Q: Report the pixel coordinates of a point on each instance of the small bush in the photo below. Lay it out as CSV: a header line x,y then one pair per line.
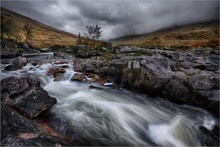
x,y
56,47
108,55
213,43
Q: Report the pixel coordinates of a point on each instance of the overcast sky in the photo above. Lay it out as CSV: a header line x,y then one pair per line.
x,y
116,17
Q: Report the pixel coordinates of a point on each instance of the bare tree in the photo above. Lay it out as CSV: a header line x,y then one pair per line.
x,y
94,31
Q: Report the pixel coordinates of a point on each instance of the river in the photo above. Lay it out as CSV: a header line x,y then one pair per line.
x,y
111,116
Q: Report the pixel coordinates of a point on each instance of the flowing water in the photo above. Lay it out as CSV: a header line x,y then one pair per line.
x,y
119,117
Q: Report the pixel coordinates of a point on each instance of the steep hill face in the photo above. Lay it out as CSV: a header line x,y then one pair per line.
x,y
23,29
184,37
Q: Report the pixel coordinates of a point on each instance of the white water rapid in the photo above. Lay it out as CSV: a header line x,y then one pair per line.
x,y
120,117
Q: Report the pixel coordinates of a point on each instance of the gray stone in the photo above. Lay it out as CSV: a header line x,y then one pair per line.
x,y
25,96
203,81
78,77
177,90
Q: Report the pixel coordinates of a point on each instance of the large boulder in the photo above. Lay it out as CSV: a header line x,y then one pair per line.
x,y
156,72
148,74
204,80
204,87
16,130
176,90
25,96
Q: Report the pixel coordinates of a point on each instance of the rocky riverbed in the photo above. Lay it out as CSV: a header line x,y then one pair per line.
x,y
30,89
185,77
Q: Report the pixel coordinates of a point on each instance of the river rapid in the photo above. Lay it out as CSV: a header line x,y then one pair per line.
x,y
115,116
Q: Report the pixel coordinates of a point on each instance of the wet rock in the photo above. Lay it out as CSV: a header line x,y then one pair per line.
x,y
101,81
25,96
95,87
22,61
61,70
206,99
108,84
78,77
184,77
177,90
16,130
77,66
130,49
55,70
58,76
5,61
190,71
133,64
17,63
64,66
209,138
204,81
88,68
36,63
8,55
155,72
12,68
92,77
44,49
180,76
61,62
55,125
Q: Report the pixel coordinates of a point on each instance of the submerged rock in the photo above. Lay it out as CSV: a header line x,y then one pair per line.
x,y
25,96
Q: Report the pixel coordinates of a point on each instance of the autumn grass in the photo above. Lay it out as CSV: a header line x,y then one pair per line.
x,y
204,35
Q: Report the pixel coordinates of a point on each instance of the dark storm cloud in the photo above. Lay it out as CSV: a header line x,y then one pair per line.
x,y
117,17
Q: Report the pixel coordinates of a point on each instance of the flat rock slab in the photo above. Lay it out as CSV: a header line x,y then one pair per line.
x,y
25,96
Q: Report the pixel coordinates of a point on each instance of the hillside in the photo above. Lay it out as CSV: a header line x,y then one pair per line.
x,y
184,37
23,29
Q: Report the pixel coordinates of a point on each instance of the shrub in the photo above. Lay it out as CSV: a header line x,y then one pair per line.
x,y
56,47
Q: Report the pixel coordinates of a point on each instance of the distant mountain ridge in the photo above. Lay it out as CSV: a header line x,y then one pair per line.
x,y
24,29
190,36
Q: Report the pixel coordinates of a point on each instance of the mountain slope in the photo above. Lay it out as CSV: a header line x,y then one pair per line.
x,y
23,29
190,36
